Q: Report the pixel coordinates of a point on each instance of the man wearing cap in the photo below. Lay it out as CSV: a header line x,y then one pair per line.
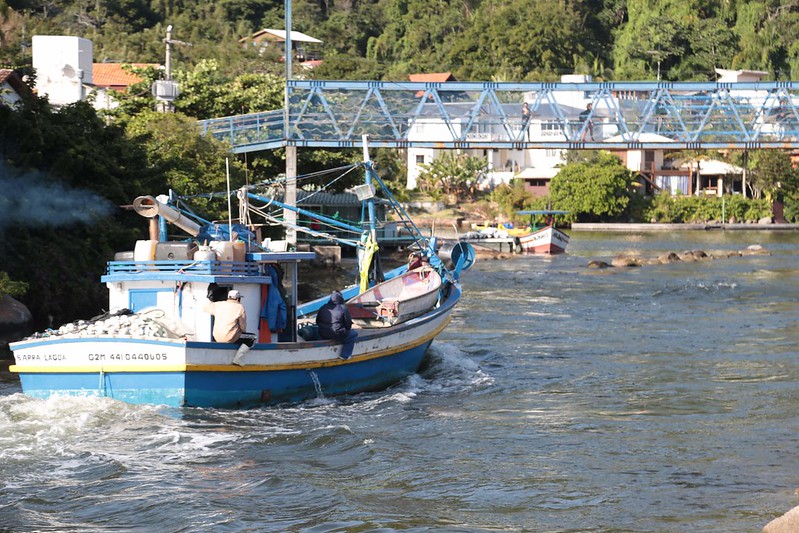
x,y
230,321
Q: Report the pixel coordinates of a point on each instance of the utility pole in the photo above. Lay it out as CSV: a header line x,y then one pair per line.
x,y
291,150
168,63
166,90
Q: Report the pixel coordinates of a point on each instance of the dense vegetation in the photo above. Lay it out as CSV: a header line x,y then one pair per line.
x,y
67,175
474,39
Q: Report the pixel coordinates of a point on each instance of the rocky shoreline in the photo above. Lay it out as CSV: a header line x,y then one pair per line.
x,y
634,260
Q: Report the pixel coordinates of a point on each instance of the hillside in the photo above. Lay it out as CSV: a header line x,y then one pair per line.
x,y
497,40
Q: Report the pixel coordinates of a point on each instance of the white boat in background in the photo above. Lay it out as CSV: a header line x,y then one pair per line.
x,y
397,300
547,239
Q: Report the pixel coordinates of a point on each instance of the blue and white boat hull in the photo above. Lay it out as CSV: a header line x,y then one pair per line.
x,y
179,373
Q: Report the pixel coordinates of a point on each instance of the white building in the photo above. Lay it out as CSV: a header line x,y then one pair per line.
x,y
63,66
535,166
65,72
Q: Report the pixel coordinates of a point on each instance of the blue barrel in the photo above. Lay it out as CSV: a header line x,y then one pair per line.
x,y
452,253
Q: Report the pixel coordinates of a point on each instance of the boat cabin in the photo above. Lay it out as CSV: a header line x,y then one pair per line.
x,y
175,281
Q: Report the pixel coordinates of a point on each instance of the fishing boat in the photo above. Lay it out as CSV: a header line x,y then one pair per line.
x,y
398,300
156,346
501,230
543,240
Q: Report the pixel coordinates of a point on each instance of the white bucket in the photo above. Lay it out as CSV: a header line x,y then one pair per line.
x,y
144,251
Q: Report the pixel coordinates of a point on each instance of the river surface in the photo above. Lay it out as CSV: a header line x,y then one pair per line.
x,y
559,399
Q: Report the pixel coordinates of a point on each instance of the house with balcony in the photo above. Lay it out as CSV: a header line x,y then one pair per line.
x,y
304,46
535,167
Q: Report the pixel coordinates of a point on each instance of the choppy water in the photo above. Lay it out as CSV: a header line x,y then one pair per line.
x,y
664,398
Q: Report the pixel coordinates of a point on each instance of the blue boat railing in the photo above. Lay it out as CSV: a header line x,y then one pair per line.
x,y
216,268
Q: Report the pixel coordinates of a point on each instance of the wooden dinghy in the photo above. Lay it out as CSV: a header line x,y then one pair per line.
x,y
397,300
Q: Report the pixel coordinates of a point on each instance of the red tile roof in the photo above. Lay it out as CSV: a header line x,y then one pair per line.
x,y
112,76
434,77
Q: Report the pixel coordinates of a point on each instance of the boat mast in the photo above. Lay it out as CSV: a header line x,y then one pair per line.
x,y
370,203
291,150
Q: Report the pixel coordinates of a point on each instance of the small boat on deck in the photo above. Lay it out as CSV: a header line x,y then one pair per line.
x,y
397,300
543,240
155,345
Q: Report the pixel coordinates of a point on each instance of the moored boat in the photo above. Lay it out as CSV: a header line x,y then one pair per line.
x,y
156,345
543,240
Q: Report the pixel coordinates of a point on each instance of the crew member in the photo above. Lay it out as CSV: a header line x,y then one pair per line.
x,y
230,321
335,323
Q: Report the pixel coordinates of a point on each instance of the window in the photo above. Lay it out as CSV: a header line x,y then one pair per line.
x,y
420,160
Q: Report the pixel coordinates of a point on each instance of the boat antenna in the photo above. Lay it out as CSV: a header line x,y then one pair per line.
x,y
229,206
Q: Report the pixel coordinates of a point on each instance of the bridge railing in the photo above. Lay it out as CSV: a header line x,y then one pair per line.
x,y
248,131
464,115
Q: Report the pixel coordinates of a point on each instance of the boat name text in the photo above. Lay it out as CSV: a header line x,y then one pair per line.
x,y
127,357
94,357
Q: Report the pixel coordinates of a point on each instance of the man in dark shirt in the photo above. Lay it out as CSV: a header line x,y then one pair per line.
x,y
585,117
335,323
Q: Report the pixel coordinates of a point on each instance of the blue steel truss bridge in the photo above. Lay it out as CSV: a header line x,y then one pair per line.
x,y
467,115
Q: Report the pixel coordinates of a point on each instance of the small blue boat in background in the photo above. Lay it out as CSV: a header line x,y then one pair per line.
x,y
155,346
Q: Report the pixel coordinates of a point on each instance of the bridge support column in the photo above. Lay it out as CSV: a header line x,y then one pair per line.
x,y
291,195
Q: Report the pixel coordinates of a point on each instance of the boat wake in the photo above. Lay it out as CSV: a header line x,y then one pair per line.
x,y
450,370
61,426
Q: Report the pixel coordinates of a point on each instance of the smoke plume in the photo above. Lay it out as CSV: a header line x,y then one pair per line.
x,y
30,199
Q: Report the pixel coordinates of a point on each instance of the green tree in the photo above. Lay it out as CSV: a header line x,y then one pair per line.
x,y
452,175
593,191
768,32
188,162
208,92
417,36
69,172
650,44
511,198
11,287
769,172
520,40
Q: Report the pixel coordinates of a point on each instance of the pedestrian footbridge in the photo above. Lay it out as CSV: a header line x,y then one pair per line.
x,y
488,115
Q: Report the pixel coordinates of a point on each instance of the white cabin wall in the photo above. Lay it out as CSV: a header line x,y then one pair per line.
x,y
251,300
117,296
